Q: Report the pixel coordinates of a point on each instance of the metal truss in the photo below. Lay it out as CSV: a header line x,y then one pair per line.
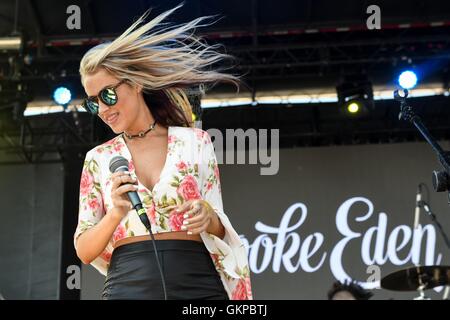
x,y
49,138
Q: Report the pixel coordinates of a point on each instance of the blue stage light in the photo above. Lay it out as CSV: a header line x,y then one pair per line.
x,y
62,96
407,79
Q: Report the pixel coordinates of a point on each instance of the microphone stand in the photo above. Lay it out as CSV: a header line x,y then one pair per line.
x,y
433,218
423,204
441,179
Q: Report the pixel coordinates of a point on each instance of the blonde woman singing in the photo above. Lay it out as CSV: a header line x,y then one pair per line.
x,y
137,85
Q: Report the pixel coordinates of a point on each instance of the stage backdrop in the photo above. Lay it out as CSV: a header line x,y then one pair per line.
x,y
330,212
31,230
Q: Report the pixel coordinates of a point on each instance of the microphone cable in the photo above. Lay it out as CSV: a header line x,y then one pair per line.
x,y
119,163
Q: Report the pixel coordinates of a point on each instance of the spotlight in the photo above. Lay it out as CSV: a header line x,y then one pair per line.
x,y
353,107
355,95
407,79
62,96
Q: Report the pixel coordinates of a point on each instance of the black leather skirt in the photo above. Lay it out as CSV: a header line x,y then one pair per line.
x,y
188,270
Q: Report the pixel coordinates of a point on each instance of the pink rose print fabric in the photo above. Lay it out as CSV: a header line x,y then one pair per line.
x,y
190,172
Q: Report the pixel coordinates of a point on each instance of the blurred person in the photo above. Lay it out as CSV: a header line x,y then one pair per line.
x,y
349,290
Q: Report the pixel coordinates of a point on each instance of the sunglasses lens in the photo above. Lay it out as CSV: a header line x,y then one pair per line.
x,y
108,96
90,106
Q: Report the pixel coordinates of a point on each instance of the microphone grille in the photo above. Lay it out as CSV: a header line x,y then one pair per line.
x,y
117,162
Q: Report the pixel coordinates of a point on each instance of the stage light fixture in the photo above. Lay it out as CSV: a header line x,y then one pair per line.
x,y
62,96
407,79
10,43
355,95
353,107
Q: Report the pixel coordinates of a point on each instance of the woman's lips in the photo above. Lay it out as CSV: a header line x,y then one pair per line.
x,y
112,118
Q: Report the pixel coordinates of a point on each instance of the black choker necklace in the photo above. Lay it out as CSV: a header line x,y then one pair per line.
x,y
142,133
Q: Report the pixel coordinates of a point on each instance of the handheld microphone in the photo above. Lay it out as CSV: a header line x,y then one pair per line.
x,y
418,204
119,163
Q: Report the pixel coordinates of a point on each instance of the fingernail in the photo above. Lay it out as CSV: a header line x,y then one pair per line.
x,y
131,206
185,222
185,215
183,227
189,232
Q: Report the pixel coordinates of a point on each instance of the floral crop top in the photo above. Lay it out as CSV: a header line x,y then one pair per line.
x,y
190,172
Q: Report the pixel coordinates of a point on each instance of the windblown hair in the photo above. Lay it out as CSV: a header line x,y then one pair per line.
x,y
167,63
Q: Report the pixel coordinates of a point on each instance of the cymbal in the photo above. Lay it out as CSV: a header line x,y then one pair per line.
x,y
412,278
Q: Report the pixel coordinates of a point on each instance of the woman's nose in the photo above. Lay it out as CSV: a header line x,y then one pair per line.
x,y
102,108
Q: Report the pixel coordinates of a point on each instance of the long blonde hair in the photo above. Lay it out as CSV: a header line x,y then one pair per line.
x,y
165,63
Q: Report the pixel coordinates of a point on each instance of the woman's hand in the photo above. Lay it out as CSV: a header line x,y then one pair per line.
x,y
121,184
200,217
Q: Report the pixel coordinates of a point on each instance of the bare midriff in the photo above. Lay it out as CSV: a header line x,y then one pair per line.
x,y
173,235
